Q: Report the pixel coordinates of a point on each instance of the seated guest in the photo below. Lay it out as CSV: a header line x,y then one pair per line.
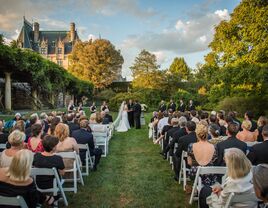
x,y
215,134
177,135
54,122
260,183
239,177
20,125
84,136
107,118
162,120
222,123
44,119
262,121
98,118
16,140
3,136
246,135
202,153
70,122
16,180
33,120
249,116
193,116
164,131
35,142
48,159
66,143
230,142
170,132
232,116
258,153
183,144
92,119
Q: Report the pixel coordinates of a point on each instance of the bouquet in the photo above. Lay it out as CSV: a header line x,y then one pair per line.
x,y
144,107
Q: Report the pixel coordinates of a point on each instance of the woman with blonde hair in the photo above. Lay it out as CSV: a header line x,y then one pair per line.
x,y
20,125
92,119
238,181
246,135
202,153
16,179
66,143
262,121
16,140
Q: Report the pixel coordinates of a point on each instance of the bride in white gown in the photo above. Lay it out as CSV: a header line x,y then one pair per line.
x,y
121,123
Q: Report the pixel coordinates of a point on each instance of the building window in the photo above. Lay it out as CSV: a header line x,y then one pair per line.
x,y
59,50
43,51
59,62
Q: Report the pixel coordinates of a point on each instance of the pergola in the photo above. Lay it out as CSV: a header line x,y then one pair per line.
x,y
8,75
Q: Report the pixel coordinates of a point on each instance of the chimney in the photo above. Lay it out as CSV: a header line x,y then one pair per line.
x,y
36,32
72,31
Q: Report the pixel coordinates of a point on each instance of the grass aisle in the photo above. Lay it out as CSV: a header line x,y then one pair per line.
x,y
133,175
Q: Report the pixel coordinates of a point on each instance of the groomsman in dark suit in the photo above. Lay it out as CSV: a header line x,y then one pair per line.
x,y
172,105
130,107
162,106
137,114
182,106
191,106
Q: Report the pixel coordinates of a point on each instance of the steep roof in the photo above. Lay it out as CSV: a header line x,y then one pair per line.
x,y
26,34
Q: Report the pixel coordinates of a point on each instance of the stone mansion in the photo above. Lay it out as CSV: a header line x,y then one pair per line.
x,y
53,45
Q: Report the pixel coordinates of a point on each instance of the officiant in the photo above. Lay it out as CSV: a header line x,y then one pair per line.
x,y
130,106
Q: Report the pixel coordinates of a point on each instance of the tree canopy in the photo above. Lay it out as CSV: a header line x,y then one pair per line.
x,y
179,69
96,61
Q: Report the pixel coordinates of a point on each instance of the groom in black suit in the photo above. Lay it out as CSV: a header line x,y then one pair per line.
x,y
130,107
137,114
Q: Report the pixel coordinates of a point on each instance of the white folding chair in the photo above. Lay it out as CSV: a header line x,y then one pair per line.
x,y
13,201
170,157
57,182
74,170
240,198
205,171
88,159
183,169
101,140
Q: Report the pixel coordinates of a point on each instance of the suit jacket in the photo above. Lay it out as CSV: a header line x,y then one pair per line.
x,y
184,142
176,136
231,142
253,126
137,109
110,118
172,106
162,107
258,153
181,108
72,127
171,132
82,136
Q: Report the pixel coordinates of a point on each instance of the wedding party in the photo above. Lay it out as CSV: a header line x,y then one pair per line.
x,y
112,103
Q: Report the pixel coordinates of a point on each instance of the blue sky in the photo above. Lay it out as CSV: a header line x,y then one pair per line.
x,y
167,28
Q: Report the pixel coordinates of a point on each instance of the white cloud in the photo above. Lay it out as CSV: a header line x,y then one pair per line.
x,y
160,56
186,37
91,36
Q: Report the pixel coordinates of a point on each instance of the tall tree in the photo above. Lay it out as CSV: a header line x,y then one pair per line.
x,y
96,61
244,38
145,71
179,69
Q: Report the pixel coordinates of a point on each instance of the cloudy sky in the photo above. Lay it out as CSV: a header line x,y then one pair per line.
x,y
167,28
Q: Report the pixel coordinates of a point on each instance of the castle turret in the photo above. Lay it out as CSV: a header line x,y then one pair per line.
x,y
36,32
72,31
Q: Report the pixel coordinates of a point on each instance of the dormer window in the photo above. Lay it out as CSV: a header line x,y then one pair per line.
x,y
43,51
59,51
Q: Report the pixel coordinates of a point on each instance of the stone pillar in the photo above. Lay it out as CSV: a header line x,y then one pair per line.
x,y
8,91
35,97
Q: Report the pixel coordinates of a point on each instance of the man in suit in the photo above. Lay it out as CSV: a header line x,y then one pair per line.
x,y
178,134
106,117
249,116
162,106
130,113
172,106
183,143
182,106
191,106
231,142
137,114
84,136
70,122
258,153
170,132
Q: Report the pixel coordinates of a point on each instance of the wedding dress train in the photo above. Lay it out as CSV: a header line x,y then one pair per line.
x,y
121,123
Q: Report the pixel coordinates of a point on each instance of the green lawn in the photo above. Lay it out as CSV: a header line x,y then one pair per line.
x,y
133,175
